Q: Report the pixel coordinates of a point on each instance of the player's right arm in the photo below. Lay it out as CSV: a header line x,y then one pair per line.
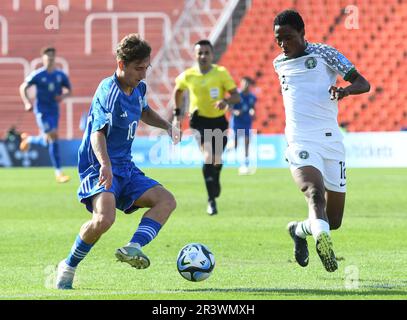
x,y
101,122
358,85
99,147
24,96
178,102
181,84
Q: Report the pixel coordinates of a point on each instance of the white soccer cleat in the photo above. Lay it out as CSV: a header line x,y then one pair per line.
x,y
245,170
133,256
65,275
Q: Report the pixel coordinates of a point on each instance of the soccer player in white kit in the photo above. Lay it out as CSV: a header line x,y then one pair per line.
x,y
315,152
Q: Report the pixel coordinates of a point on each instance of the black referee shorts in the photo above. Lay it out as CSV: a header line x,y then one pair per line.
x,y
213,130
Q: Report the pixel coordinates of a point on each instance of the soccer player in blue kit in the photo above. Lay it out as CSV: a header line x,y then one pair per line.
x,y
52,87
109,179
242,118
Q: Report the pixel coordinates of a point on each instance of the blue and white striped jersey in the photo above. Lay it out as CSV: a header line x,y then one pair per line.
x,y
121,114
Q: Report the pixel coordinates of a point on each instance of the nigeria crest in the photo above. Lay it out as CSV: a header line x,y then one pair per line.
x,y
311,63
303,155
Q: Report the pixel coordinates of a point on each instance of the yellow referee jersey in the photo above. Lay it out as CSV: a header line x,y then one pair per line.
x,y
205,89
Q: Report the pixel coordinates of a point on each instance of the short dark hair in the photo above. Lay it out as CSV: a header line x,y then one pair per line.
x,y
291,18
132,48
46,50
248,79
204,42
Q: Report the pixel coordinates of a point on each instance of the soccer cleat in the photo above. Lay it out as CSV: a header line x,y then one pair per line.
x,y
212,210
246,171
243,170
24,145
133,256
325,251
61,178
301,253
65,275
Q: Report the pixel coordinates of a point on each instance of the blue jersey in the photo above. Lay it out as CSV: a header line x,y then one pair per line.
x,y
247,102
121,114
48,85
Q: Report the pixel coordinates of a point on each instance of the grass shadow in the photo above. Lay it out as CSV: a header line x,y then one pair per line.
x,y
310,292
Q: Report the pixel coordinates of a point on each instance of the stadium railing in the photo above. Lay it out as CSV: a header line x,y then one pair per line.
x,y
4,35
114,17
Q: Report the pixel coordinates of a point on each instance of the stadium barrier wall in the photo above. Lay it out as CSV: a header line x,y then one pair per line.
x,y
374,149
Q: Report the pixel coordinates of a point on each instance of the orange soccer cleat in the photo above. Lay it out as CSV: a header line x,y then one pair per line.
x,y
61,178
24,145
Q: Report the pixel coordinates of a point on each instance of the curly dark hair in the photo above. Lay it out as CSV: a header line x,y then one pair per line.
x,y
291,18
132,48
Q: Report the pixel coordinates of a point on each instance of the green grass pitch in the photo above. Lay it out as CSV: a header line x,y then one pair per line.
x,y
40,219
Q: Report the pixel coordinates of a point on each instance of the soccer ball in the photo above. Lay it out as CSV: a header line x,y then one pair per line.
x,y
195,262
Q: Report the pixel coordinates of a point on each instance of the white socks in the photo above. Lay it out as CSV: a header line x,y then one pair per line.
x,y
318,226
311,227
303,229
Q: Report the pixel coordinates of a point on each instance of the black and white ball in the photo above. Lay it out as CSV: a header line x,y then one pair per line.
x,y
195,262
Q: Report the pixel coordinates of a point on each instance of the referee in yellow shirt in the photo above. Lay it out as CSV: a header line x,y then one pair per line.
x,y
208,84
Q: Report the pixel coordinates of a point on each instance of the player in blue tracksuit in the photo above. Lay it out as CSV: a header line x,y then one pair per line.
x,y
109,179
52,87
242,117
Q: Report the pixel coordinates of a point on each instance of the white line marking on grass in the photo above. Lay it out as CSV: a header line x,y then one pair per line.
x,y
64,293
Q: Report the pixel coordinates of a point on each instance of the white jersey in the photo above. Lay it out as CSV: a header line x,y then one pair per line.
x,y
310,113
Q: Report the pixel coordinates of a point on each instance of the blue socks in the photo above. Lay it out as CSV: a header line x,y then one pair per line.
x,y
53,149
78,252
146,231
37,140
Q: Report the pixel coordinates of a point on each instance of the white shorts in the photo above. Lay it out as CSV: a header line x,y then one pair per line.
x,y
329,159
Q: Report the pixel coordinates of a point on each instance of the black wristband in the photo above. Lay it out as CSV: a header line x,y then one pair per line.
x,y
177,112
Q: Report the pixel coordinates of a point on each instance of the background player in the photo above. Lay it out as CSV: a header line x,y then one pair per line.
x,y
52,87
109,179
316,154
242,117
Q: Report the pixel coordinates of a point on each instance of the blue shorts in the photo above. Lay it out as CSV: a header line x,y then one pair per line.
x,y
129,183
47,122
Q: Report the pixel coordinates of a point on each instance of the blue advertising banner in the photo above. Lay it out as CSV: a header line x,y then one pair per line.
x,y
158,151
373,149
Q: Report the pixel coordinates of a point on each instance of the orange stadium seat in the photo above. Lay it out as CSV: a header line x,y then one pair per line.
x,y
85,71
367,47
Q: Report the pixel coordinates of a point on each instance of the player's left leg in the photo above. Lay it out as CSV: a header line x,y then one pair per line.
x,y
161,204
27,141
245,169
103,217
335,204
246,148
53,150
311,182
218,147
